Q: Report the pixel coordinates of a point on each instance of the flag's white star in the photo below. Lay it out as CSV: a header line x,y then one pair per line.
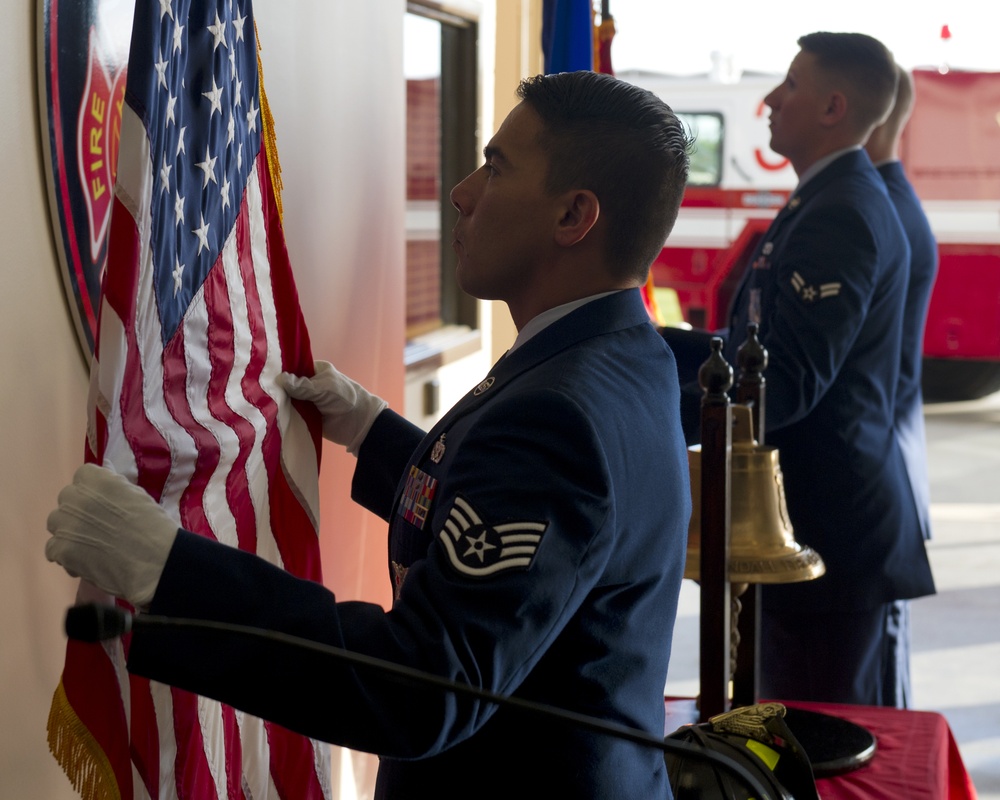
x,y
224,189
177,275
239,156
178,40
202,234
178,209
161,71
231,130
252,116
237,93
180,140
208,167
165,174
165,9
232,61
238,21
214,97
218,30
171,103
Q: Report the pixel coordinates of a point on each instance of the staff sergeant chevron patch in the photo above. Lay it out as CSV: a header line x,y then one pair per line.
x,y
478,549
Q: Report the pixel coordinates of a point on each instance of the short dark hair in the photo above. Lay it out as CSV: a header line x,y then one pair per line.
x,y
865,65
622,143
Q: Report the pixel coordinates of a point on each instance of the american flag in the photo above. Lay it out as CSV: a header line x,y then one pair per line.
x,y
198,316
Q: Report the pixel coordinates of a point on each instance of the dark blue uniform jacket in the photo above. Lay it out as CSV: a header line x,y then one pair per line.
x,y
827,287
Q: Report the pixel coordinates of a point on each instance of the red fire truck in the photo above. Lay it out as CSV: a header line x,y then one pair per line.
x,y
951,151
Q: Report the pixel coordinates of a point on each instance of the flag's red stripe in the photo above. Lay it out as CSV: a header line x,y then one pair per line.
x,y
296,354
293,765
92,688
192,502
234,755
250,385
151,451
221,343
293,529
191,771
145,735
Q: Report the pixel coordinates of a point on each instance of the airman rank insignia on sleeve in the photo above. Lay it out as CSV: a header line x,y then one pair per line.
x,y
478,549
415,502
810,293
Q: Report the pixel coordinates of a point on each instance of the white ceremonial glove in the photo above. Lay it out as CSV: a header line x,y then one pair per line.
x,y
348,408
111,533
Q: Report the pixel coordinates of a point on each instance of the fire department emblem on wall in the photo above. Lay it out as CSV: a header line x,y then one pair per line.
x,y
83,55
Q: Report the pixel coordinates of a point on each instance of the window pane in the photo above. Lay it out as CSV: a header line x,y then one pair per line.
x,y
422,68
706,157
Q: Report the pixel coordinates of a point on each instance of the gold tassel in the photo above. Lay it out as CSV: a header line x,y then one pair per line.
x,y
78,753
267,132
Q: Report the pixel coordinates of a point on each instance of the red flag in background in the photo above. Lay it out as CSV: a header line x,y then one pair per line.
x,y
604,34
198,315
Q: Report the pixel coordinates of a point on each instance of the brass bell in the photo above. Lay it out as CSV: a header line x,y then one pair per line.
x,y
762,546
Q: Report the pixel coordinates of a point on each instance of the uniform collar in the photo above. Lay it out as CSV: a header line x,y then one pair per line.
x,y
822,164
539,323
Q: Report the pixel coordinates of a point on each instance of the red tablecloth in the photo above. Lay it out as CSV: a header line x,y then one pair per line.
x,y
916,757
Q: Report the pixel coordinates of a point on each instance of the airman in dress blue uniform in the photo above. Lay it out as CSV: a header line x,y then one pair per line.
x,y
827,290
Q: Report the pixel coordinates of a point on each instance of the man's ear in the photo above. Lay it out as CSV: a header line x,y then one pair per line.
x,y
836,109
579,213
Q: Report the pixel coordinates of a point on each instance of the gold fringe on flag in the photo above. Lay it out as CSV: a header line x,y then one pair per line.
x,y
78,752
267,132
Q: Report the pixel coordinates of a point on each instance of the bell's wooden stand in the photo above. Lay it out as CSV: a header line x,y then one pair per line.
x,y
727,652
715,378
751,359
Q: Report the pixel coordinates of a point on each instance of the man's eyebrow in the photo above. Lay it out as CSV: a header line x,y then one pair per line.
x,y
493,153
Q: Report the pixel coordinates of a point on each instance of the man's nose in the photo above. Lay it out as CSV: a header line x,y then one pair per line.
x,y
462,196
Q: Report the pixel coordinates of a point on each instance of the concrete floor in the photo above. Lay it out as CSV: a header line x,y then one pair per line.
x,y
956,633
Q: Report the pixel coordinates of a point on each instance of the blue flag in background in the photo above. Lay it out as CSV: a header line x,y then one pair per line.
x,y
567,35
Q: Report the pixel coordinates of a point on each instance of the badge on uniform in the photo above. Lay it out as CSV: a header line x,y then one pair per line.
x,y
437,451
810,293
762,261
398,576
479,549
415,502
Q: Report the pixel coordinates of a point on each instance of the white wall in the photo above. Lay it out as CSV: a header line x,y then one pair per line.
x,y
43,385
